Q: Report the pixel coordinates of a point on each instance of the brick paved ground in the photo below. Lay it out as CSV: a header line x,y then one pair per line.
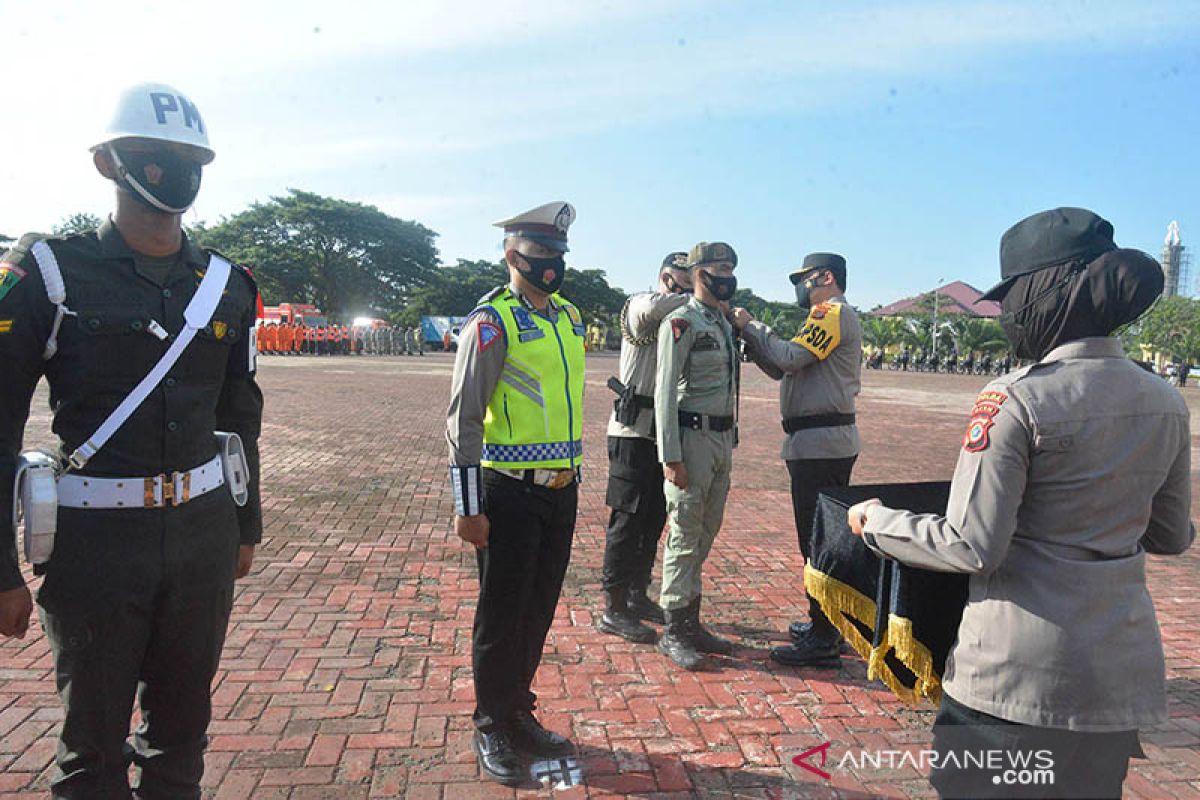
x,y
346,673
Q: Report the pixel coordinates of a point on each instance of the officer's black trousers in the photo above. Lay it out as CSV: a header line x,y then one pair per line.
x,y
984,756
639,511
520,576
136,603
809,477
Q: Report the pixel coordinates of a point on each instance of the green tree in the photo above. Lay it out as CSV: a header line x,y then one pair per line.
x,y
589,290
1172,327
880,333
976,335
77,223
453,291
346,257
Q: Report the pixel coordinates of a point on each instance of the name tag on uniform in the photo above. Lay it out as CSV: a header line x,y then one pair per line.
x,y
529,336
705,341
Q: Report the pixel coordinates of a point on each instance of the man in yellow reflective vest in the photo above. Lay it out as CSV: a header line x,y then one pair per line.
x,y
515,433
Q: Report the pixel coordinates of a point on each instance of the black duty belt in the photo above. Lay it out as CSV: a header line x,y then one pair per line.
x,y
643,400
809,421
698,422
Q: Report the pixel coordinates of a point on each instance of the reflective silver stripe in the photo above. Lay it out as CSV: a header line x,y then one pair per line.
x,y
522,388
464,482
473,491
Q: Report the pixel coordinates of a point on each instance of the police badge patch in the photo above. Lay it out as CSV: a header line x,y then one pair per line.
x,y
219,329
489,334
983,417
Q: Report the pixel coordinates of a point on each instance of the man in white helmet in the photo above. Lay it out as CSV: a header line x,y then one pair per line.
x,y
152,526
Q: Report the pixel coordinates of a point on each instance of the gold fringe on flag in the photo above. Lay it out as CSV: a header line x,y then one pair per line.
x,y
844,605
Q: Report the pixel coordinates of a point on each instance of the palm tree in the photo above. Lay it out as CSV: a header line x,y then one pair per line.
x,y
977,335
881,333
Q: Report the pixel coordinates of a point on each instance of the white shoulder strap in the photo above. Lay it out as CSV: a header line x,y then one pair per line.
x,y
56,290
197,315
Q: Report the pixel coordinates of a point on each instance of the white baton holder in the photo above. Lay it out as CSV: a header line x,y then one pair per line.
x,y
233,461
35,504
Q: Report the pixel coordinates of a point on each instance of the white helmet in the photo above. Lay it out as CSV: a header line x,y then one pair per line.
x,y
157,111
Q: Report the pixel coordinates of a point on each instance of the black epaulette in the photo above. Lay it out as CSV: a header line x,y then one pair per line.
x,y
490,296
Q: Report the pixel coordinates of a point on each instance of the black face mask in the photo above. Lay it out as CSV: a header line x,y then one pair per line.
x,y
722,287
546,274
161,180
804,292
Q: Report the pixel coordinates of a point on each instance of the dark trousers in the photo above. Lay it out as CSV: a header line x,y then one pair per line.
x,y
809,476
639,511
1026,761
136,603
520,576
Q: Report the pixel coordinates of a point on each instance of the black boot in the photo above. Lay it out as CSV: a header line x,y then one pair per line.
x,y
530,737
498,758
798,631
618,620
702,638
676,642
810,650
642,607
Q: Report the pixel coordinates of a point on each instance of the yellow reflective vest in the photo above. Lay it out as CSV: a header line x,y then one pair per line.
x,y
534,419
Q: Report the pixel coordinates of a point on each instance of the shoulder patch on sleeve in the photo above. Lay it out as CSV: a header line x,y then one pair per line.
x,y
489,333
679,326
822,331
983,417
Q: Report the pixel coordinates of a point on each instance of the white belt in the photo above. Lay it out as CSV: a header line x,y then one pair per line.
x,y
80,491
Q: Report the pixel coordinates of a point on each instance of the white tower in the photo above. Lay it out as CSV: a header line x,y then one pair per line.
x,y
1175,264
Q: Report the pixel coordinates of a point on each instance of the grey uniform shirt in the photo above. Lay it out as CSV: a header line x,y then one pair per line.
x,y
815,380
1072,470
697,372
642,315
477,370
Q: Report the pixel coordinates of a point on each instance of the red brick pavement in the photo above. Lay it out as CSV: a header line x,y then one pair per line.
x,y
346,674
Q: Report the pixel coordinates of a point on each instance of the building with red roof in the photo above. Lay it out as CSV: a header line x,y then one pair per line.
x,y
953,298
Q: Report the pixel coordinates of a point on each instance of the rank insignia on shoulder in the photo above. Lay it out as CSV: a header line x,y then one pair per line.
x,y
6,326
678,326
10,276
489,334
523,319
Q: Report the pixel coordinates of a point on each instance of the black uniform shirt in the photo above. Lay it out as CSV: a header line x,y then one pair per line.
x,y
107,348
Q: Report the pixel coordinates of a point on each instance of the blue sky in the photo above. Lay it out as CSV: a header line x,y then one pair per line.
x,y
906,135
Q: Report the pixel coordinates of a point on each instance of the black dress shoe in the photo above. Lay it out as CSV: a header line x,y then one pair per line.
x,y
627,626
809,652
530,737
642,607
498,758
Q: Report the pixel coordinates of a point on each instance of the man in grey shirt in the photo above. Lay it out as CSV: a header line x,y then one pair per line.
x,y
1071,470
635,478
820,371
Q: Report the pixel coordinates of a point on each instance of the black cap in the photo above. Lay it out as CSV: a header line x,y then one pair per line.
x,y
675,261
822,261
1048,239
